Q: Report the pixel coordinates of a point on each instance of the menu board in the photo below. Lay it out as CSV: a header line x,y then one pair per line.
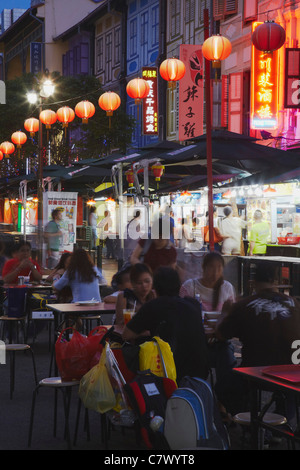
x,y
67,203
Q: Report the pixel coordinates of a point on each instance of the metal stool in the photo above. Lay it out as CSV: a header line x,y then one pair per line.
x,y
12,349
244,420
66,388
87,322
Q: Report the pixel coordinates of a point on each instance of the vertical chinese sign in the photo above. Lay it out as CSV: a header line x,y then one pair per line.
x,y
264,88
191,93
150,103
35,57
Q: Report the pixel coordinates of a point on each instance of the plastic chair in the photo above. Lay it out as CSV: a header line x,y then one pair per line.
x,y
66,389
12,349
15,313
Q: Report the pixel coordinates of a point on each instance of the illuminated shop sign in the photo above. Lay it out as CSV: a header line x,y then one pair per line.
x,y
264,88
150,103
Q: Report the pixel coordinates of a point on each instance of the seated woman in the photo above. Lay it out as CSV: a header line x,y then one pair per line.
x,y
60,268
21,265
82,277
141,279
214,291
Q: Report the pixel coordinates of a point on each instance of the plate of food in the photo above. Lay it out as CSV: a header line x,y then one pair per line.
x,y
88,302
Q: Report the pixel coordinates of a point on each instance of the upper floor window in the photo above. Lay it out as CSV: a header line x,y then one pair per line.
x,y
224,8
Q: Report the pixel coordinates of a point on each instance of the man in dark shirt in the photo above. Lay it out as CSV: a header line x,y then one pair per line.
x,y
178,321
267,323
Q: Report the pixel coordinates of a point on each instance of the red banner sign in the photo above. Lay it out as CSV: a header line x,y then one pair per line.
x,y
150,103
191,93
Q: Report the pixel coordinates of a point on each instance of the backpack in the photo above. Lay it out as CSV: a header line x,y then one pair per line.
x,y
148,395
192,418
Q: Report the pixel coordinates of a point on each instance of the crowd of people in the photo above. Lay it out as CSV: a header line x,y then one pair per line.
x,y
163,304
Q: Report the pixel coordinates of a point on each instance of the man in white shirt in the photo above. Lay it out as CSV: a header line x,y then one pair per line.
x,y
231,229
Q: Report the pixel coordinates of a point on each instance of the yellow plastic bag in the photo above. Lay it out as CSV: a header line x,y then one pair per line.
x,y
157,356
95,389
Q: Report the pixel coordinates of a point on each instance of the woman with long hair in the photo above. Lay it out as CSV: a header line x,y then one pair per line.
x,y
60,268
214,292
141,292
213,289
82,276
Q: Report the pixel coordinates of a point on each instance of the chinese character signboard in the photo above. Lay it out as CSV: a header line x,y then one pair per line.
x,y
191,93
67,203
150,103
292,78
264,88
35,57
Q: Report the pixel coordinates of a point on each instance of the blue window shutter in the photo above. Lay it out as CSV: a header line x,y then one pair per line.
x,y
84,58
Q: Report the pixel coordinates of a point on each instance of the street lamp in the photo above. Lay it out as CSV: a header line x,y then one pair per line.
x,y
46,89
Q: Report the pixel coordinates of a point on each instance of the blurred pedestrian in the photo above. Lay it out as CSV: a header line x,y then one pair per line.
x,y
93,225
105,226
53,235
231,229
158,250
259,235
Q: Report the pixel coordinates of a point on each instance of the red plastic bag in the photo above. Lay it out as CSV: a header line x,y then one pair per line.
x,y
75,358
95,336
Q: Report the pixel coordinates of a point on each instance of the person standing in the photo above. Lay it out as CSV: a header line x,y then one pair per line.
x,y
93,225
231,229
259,235
133,234
105,226
53,234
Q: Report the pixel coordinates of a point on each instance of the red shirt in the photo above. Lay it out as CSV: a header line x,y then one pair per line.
x,y
11,265
155,258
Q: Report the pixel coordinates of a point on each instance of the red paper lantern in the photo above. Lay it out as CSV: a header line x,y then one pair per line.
x,y
85,110
216,48
158,170
138,88
172,70
1,155
109,102
130,178
7,148
32,125
65,115
268,37
19,138
48,117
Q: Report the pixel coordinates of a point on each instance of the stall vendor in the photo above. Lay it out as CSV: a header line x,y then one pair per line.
x,y
259,235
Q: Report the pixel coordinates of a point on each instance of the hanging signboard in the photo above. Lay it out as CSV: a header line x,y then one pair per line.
x,y
67,203
36,57
292,78
264,88
150,103
191,93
